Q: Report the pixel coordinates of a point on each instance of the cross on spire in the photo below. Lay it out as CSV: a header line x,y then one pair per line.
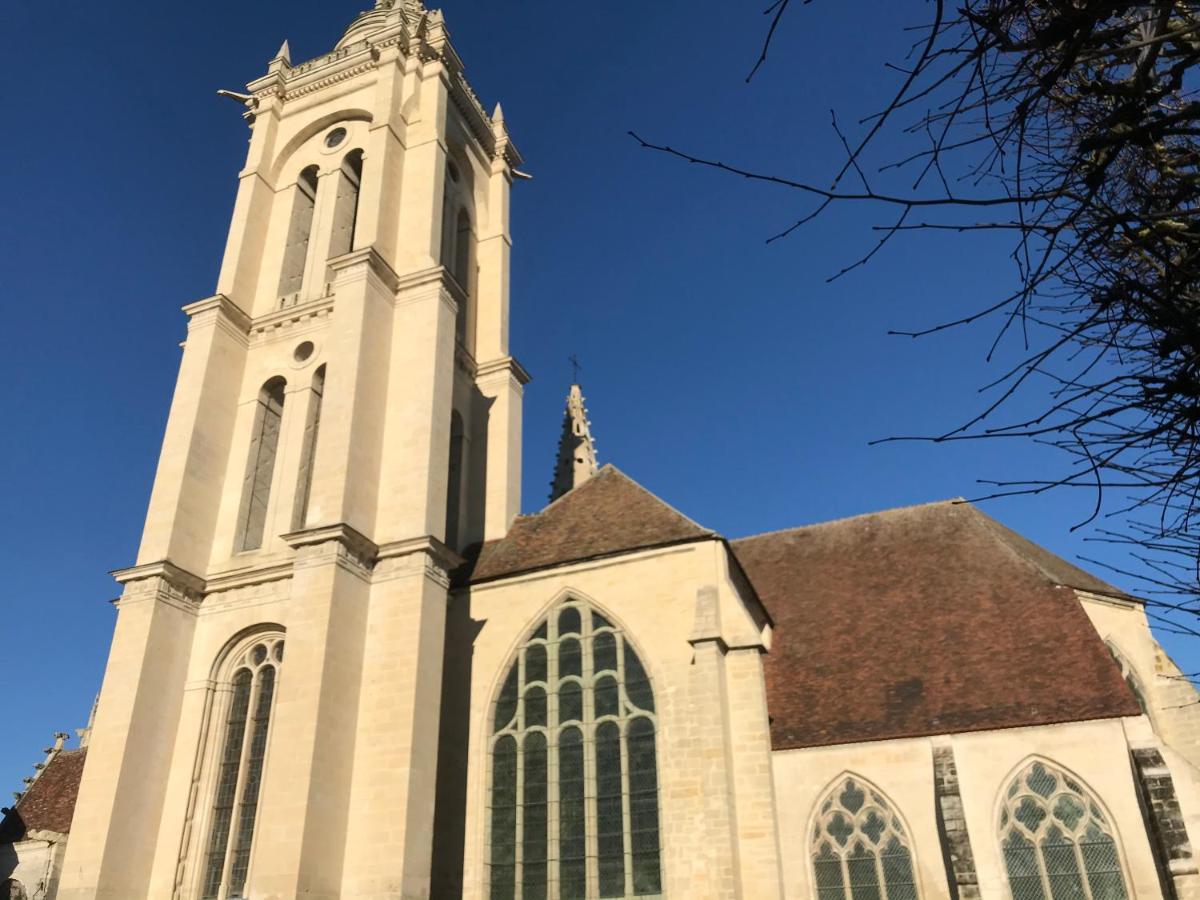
x,y
576,368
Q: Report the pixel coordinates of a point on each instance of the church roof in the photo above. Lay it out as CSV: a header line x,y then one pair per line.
x,y
608,514
927,620
49,804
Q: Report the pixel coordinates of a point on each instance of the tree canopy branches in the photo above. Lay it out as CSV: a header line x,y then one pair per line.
x,y
1074,125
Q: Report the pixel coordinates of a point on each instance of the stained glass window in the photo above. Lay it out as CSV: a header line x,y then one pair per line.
x,y
860,850
1057,843
574,806
240,770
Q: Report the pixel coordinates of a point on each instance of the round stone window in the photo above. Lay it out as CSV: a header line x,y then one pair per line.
x,y
304,352
335,138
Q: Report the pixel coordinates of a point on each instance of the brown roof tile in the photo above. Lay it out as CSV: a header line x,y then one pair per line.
x,y
49,804
607,515
927,620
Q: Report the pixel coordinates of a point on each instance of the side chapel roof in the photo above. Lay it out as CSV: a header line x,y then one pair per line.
x,y
49,804
608,514
927,620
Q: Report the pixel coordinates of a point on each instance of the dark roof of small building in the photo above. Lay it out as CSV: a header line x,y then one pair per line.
x,y
927,620
49,804
607,515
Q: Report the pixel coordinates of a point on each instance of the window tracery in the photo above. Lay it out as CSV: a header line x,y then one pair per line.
x,y
1057,842
573,805
860,849
239,768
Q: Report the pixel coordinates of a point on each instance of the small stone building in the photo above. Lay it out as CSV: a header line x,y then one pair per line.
x,y
33,834
344,667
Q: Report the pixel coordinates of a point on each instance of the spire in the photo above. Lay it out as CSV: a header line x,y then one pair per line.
x,y
576,449
285,53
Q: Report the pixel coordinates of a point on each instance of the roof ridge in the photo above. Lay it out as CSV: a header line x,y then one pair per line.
x,y
952,501
52,753
669,506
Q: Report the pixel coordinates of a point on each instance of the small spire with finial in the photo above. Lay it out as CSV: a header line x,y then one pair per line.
x,y
576,447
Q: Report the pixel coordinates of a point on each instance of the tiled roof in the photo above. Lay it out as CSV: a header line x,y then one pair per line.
x,y
606,515
49,804
927,620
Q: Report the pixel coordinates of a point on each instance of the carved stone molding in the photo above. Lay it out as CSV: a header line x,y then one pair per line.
x,y
499,369
365,263
163,582
217,309
338,544
426,556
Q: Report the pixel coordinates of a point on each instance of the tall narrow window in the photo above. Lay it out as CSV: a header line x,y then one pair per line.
x,y
574,784
1057,843
240,770
860,850
308,452
464,247
260,470
345,210
454,484
295,253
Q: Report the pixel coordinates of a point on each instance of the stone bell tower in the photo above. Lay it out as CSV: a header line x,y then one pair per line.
x,y
346,419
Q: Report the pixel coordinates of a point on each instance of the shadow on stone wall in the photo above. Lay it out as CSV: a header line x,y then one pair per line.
x,y
450,814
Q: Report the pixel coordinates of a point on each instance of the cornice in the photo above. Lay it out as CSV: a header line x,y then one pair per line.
x,y
218,307
346,535
287,316
164,569
427,544
369,259
505,365
161,581
237,580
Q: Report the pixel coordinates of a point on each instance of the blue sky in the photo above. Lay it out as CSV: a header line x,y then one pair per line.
x,y
722,373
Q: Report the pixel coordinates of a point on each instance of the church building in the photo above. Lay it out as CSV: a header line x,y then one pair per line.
x,y
345,668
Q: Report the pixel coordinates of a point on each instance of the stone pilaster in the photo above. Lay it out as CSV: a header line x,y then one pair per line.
x,y
952,827
1164,819
129,754
390,841
306,787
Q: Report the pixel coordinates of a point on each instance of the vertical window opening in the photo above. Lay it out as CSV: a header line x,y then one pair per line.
x,y
260,470
308,452
463,262
240,771
454,487
1057,843
574,797
860,850
345,211
295,253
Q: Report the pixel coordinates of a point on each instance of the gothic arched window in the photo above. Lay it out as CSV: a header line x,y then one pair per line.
x,y
573,806
860,849
260,468
295,253
253,672
1057,843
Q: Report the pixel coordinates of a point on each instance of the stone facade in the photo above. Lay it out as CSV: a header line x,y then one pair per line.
x,y
334,598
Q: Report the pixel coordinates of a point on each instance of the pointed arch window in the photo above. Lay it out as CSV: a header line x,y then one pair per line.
x,y
860,849
573,804
1057,842
239,772
260,468
295,252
